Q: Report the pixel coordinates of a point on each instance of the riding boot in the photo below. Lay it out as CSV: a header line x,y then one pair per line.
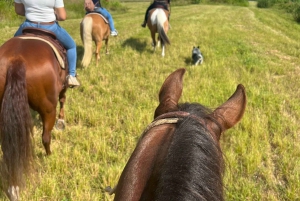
x,y
144,24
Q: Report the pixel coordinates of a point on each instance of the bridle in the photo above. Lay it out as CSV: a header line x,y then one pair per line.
x,y
173,118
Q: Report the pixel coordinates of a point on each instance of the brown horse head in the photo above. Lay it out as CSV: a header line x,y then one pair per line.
x,y
178,156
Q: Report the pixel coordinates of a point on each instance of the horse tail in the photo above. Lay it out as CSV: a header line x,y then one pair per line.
x,y
162,27
16,126
86,37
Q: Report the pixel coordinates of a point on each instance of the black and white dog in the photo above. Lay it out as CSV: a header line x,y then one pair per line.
x,y
197,56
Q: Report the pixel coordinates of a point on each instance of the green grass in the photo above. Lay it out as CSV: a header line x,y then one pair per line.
x,y
256,47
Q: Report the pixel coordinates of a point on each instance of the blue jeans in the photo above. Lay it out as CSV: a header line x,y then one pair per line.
x,y
107,15
63,37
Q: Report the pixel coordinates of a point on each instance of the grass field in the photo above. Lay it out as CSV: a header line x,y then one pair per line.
x,y
259,48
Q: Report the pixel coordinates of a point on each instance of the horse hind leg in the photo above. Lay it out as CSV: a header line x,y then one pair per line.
x,y
106,46
97,53
60,124
153,41
158,41
163,50
48,124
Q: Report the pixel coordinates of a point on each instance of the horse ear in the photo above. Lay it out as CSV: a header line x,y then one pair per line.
x,y
170,93
231,112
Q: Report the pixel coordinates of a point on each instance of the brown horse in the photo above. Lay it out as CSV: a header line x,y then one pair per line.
x,y
30,77
93,27
178,156
158,23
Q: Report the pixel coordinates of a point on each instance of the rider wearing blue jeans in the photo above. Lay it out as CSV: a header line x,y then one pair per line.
x,y
95,6
44,14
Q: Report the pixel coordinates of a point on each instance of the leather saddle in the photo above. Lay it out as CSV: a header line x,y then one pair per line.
x,y
50,38
104,18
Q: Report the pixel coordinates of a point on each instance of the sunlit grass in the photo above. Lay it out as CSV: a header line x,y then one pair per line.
x,y
107,114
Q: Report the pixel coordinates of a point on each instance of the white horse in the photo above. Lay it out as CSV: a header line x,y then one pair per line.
x,y
158,23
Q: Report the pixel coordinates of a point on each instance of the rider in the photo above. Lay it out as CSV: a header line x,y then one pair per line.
x,y
44,15
95,5
156,4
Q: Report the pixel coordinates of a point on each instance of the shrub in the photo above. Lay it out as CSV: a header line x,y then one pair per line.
x,y
196,1
292,7
288,7
238,2
265,3
296,13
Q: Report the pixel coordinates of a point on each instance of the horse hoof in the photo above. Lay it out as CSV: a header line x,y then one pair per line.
x,y
60,124
110,190
13,193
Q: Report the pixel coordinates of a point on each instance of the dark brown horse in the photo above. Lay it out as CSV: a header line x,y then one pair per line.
x,y
93,28
158,23
30,77
178,156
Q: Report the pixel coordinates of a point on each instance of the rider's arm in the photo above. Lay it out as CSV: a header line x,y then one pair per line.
x,y
20,9
61,14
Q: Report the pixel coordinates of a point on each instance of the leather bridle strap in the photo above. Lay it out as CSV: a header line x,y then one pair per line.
x,y
172,118
160,122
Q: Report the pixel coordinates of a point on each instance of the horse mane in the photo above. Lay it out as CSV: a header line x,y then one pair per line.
x,y
194,166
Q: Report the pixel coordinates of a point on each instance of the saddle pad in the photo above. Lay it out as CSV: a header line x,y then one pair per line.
x,y
105,20
59,58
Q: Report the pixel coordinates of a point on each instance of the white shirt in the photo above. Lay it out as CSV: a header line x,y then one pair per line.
x,y
40,10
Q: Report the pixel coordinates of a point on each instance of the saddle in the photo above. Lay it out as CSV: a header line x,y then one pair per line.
x,y
160,6
50,38
104,18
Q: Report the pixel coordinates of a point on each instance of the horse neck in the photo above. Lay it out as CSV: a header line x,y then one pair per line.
x,y
193,168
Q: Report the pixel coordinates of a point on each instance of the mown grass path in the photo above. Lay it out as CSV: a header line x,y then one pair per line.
x,y
259,48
